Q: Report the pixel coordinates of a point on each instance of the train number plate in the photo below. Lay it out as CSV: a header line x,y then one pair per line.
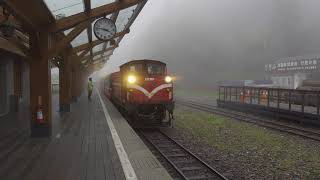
x,y
149,79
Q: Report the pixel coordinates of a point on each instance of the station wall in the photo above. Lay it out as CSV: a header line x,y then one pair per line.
x,y
11,101
6,84
289,81
3,88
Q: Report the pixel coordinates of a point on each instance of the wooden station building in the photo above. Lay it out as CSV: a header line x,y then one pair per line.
x,y
36,35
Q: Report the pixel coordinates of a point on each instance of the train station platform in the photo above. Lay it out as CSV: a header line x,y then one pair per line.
x,y
91,142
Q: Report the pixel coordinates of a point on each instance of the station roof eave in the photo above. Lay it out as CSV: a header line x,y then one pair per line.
x,y
11,47
75,12
71,22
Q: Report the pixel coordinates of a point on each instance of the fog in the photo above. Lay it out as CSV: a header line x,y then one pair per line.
x,y
204,41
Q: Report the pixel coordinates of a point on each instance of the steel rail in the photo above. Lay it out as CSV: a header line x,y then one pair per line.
x,y
175,144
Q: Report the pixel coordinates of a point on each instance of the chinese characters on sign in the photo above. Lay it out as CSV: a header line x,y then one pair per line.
x,y
294,65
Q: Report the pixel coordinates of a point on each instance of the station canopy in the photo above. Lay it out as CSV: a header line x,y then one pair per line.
x,y
71,21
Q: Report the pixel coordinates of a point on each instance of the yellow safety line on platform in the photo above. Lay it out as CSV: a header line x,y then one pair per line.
x,y
125,162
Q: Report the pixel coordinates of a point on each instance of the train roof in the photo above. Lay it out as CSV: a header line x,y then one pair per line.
x,y
142,61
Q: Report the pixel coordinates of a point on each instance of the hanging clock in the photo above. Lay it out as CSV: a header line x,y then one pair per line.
x,y
104,29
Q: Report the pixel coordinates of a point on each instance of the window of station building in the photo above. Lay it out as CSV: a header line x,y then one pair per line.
x,y
156,69
314,61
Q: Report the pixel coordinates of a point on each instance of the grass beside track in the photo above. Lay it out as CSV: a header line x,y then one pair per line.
x,y
274,153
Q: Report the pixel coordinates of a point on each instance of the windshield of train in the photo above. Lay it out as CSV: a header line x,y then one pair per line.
x,y
137,68
155,69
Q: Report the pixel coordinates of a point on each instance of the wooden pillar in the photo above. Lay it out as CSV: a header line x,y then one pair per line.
x,y
65,75
83,83
17,93
79,82
75,81
40,85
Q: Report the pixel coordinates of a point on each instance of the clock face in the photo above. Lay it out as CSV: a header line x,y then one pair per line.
x,y
104,29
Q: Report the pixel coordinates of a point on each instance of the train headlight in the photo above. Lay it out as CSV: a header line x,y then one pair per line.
x,y
132,79
168,79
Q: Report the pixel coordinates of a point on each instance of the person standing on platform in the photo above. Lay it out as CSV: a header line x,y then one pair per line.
x,y
90,88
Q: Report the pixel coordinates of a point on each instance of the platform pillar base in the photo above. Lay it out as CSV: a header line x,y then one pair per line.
x,y
74,98
40,131
14,103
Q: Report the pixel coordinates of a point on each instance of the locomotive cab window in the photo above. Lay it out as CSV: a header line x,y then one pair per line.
x,y
155,69
135,68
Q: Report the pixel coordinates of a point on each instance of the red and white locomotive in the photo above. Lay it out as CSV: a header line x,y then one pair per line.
x,y
143,90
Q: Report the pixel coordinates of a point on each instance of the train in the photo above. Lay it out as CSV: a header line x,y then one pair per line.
x,y
143,90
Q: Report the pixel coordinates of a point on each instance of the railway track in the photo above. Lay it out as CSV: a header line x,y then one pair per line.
x,y
187,164
298,131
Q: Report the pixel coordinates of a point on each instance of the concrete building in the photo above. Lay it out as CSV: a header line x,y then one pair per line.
x,y
290,72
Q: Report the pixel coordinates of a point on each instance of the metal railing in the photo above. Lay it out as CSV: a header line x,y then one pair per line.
x,y
304,101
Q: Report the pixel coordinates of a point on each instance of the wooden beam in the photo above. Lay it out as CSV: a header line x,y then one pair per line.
x,y
115,16
99,59
91,61
20,45
83,54
136,13
13,20
22,36
87,46
134,16
97,42
32,13
89,33
63,43
87,9
71,21
87,5
100,52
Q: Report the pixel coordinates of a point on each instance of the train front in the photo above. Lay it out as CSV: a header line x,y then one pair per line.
x,y
149,92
